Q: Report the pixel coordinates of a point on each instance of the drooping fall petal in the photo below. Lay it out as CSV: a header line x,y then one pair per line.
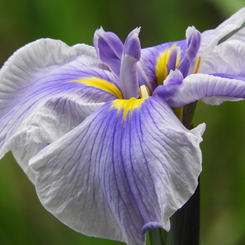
x,y
124,170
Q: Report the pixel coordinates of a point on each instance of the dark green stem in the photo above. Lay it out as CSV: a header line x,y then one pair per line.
x,y
156,237
185,223
188,114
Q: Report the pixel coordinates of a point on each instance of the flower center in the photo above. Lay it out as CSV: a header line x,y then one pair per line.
x,y
166,61
126,107
144,91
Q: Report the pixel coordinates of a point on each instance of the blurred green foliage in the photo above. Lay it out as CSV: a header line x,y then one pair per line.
x,y
23,220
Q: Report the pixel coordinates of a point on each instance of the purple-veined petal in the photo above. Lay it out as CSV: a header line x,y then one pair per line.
x,y
47,89
24,153
42,118
109,49
52,110
211,38
23,70
227,58
215,88
121,172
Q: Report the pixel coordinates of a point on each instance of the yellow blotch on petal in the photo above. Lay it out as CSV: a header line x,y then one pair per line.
x,y
161,64
127,106
101,84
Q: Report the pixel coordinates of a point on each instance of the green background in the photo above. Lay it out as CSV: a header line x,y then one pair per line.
x,y
23,220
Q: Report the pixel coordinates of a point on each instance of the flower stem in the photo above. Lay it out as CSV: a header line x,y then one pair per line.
x,y
155,236
188,114
185,223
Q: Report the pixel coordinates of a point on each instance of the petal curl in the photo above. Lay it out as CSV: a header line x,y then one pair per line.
x,y
115,176
24,153
215,88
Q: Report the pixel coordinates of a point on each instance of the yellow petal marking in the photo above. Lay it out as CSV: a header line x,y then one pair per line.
x,y
161,64
127,106
101,84
197,64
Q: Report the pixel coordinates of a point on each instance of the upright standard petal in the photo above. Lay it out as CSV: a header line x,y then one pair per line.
x,y
127,168
128,71
132,46
109,49
193,38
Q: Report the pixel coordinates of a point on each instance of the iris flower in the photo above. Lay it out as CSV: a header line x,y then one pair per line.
x,y
98,129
